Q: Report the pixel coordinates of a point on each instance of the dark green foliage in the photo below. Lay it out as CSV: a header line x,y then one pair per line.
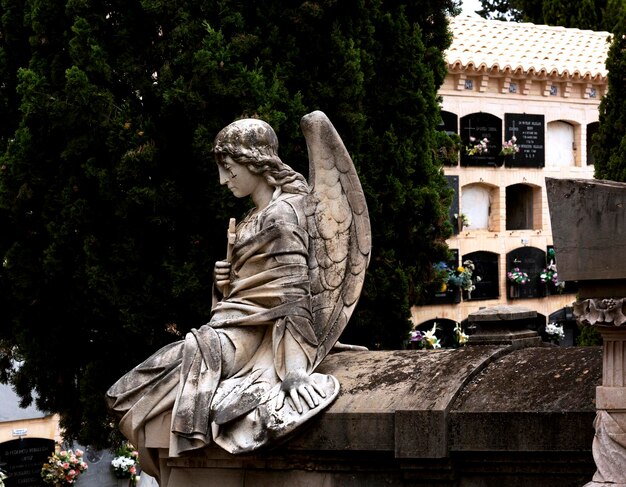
x,y
111,215
589,336
599,15
609,143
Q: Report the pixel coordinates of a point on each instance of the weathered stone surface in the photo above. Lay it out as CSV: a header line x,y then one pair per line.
x,y
292,275
548,379
588,227
503,312
475,416
504,325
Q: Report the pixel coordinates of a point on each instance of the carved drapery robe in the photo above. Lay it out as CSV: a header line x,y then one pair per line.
x,y
220,380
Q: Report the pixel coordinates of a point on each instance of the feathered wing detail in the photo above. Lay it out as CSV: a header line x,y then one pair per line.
x,y
339,230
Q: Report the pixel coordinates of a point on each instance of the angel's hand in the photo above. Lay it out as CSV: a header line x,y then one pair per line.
x,y
298,386
221,275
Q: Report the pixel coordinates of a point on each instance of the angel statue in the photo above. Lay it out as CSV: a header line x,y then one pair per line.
x,y
293,273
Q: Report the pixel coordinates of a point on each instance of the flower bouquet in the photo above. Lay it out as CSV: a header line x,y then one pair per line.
x,y
463,277
463,220
549,275
460,337
125,464
555,332
429,340
63,468
509,148
425,340
477,148
517,277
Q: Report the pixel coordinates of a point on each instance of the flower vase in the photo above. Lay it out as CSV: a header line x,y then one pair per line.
x,y
513,291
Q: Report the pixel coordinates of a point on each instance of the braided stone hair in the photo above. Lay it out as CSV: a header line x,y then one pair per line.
x,y
253,143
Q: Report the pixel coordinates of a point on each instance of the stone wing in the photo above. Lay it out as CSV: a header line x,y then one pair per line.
x,y
339,229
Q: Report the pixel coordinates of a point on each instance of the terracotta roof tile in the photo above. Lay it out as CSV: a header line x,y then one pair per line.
x,y
526,48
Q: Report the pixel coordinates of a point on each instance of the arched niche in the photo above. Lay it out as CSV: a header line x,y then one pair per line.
x,y
560,143
449,122
444,330
523,207
532,261
592,129
487,268
481,126
479,203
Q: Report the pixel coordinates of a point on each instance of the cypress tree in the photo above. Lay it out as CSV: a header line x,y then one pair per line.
x,y
111,211
598,15
609,143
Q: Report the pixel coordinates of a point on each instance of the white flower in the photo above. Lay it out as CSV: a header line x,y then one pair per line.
x,y
555,331
123,463
462,338
431,339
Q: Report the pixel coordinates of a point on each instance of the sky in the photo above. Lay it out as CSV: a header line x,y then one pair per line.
x,y
469,6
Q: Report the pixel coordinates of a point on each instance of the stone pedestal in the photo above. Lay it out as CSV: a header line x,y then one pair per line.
x,y
504,325
609,443
589,230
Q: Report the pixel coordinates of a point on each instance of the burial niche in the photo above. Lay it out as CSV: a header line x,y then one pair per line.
x,y
486,267
476,127
524,265
519,207
560,145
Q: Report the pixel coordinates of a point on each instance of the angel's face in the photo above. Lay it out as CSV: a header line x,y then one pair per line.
x,y
239,179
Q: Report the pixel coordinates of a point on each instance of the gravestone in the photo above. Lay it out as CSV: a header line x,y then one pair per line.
x,y
529,131
23,458
481,126
486,267
532,261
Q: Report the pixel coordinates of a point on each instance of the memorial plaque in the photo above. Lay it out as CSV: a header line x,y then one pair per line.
x,y
481,126
532,261
23,459
530,131
486,267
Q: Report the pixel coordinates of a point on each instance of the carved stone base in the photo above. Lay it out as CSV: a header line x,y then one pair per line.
x,y
474,416
609,443
609,448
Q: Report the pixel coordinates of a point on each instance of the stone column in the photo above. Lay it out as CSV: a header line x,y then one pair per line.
x,y
609,443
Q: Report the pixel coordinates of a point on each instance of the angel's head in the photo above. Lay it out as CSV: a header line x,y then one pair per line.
x,y
252,143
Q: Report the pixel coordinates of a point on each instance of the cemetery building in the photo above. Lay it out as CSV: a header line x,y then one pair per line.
x,y
543,86
27,437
